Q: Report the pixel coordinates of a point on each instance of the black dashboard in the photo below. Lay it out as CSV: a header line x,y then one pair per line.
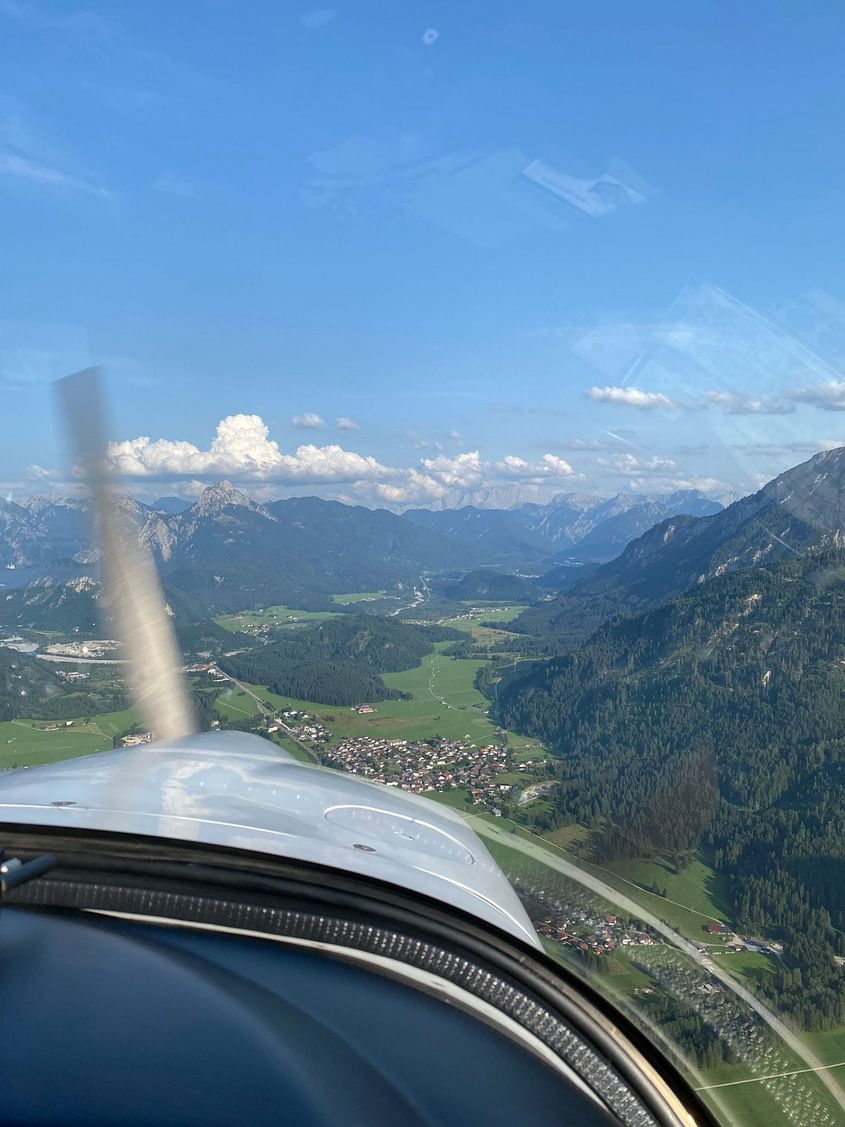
x,y
107,1021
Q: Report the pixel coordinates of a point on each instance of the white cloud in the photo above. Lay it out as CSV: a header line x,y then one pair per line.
x,y
345,423
41,473
736,403
462,470
829,396
731,402
416,487
630,464
631,397
242,449
308,421
555,466
550,465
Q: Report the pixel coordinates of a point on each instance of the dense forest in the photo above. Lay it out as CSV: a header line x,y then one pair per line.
x,y
487,585
718,721
340,661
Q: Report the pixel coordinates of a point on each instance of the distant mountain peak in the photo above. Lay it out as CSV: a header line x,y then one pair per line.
x,y
40,501
223,495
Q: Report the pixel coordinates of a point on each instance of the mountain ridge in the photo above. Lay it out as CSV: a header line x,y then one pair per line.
x,y
801,508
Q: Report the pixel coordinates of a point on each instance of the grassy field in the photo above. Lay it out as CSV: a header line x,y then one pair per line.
x,y
456,798
444,702
23,744
750,965
567,836
235,704
689,921
493,612
296,751
829,1047
278,616
698,886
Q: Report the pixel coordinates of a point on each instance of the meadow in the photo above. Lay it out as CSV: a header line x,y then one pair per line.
x,y
23,743
276,617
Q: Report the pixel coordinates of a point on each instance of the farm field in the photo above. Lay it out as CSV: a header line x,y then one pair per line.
x,y
235,704
276,617
698,885
23,744
444,702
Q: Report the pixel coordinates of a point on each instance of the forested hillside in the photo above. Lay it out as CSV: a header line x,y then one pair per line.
x,y
801,509
740,683
29,687
495,586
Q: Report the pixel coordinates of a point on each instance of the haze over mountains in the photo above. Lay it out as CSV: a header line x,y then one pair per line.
x,y
226,552
579,526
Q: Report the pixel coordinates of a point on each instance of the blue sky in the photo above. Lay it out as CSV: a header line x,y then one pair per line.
x,y
507,244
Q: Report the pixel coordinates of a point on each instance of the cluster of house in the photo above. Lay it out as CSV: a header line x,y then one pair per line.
x,y
424,765
588,931
92,649
302,726
736,943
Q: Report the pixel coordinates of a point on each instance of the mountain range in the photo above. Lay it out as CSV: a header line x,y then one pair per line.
x,y
803,508
225,552
575,525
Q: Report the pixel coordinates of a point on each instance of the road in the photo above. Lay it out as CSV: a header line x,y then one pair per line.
x,y
265,711
543,854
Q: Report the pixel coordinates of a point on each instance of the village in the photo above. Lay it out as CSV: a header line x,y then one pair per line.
x,y
578,923
426,765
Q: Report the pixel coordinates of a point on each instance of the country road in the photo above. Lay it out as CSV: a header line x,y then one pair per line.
x,y
265,711
587,880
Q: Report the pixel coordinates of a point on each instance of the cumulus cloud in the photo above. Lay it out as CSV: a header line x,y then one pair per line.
x,y
416,487
829,396
462,470
243,449
632,397
345,423
310,420
550,465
